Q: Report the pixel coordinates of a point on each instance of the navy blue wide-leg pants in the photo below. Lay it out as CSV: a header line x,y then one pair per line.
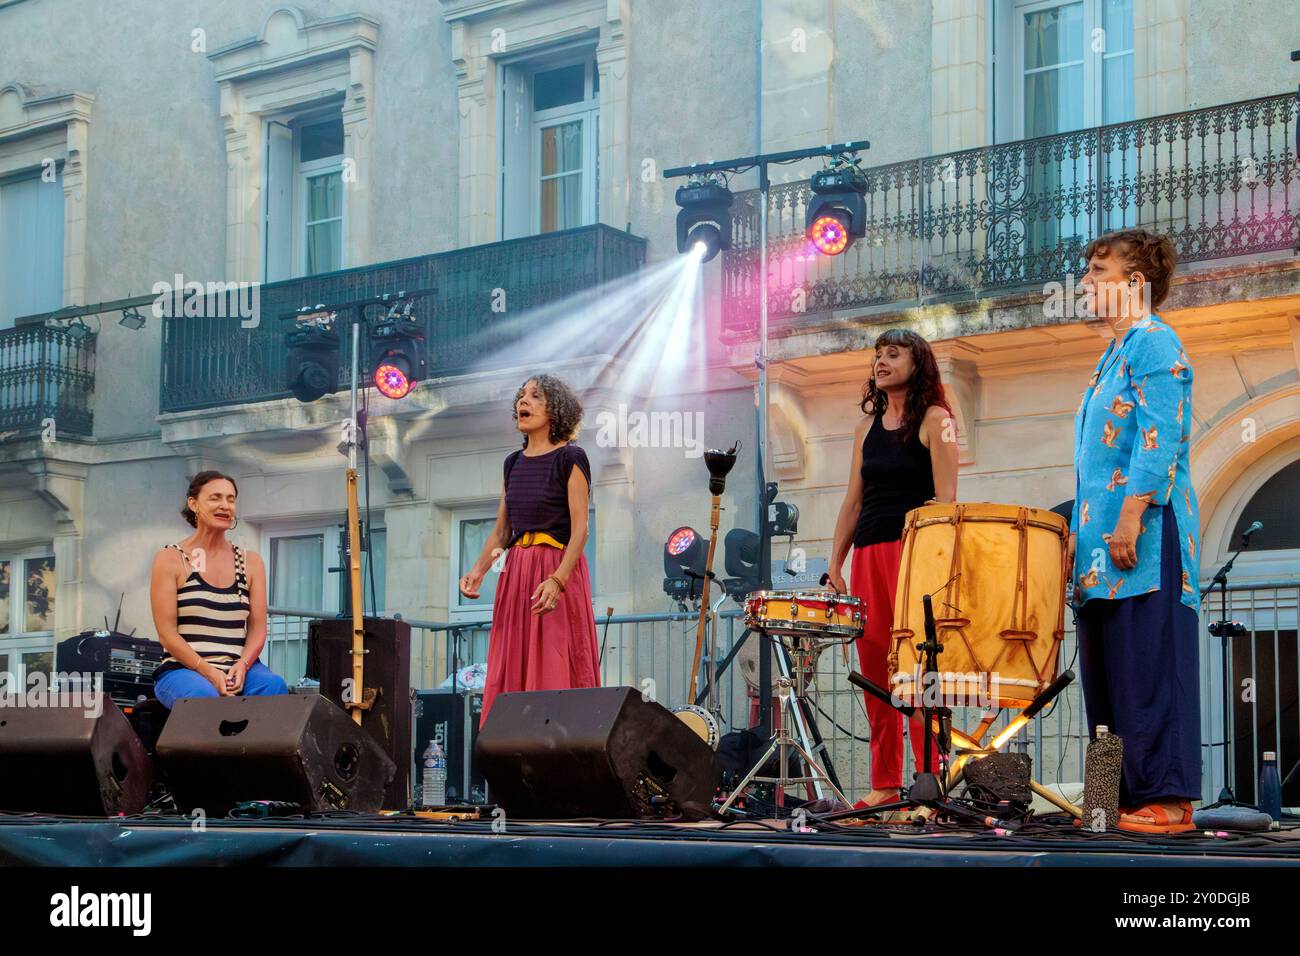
x,y
1138,657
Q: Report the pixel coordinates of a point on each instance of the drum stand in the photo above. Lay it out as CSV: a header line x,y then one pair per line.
x,y
790,690
929,789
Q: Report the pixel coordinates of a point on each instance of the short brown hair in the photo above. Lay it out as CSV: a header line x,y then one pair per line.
x,y
1143,251
196,485
562,407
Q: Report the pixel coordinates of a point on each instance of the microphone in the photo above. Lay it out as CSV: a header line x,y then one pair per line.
x,y
1245,535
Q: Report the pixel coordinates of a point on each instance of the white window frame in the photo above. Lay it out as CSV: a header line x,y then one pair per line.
x,y
458,614
1011,35
587,113
329,603
19,642
331,536
37,174
302,172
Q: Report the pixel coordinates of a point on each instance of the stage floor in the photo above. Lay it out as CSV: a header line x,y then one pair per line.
x,y
354,840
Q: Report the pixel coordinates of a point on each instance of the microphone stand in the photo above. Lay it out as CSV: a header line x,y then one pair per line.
x,y
1224,628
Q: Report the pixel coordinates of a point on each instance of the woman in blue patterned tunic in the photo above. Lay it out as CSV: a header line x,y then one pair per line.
x,y
1135,535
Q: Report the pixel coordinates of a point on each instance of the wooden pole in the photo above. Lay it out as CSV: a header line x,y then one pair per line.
x,y
355,702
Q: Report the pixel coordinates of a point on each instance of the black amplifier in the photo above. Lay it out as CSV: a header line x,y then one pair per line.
x,y
127,663
451,718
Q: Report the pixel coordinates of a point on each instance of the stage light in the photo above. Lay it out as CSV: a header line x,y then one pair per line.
x,y
830,234
312,365
837,213
741,562
704,219
784,518
77,329
131,319
683,563
397,355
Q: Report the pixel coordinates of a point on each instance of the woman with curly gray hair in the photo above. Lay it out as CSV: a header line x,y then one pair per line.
x,y
543,629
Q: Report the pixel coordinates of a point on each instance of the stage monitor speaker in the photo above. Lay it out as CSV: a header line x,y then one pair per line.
x,y
72,760
216,752
387,676
595,752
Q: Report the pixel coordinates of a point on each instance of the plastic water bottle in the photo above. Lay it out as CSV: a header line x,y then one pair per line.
x,y
1270,787
433,792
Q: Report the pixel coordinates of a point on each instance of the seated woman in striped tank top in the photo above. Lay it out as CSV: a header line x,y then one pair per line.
x,y
213,632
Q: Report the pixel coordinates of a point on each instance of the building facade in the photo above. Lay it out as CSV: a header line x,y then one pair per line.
x,y
508,154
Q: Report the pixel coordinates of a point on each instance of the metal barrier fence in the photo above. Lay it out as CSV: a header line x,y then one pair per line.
x,y
653,653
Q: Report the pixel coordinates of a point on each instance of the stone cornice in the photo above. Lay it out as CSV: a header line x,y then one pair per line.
x,y
316,39
37,113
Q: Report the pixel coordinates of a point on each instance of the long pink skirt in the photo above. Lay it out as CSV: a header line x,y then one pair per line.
x,y
552,651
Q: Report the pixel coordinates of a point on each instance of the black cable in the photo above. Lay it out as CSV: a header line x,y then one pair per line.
x,y
834,723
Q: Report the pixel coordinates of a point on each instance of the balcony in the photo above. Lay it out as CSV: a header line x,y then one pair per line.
x,y
47,374
213,361
1222,182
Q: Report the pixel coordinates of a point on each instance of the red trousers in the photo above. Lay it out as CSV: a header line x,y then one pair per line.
x,y
873,577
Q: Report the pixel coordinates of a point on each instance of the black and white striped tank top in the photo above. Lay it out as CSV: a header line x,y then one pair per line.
x,y
212,620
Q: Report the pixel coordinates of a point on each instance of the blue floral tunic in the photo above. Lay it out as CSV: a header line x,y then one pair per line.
x,y
1132,436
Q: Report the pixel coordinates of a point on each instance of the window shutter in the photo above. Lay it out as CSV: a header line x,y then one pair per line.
x,y
31,247
516,165
278,213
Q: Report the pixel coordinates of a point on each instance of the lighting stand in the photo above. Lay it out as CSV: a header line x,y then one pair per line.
x,y
761,162
1226,629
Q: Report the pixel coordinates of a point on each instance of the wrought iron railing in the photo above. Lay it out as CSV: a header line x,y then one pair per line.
x,y
47,378
1221,182
215,360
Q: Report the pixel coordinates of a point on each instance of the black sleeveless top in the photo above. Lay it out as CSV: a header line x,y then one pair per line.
x,y
896,477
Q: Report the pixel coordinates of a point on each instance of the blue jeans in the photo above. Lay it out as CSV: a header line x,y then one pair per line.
x,y
259,680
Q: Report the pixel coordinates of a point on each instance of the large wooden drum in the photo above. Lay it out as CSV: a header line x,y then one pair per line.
x,y
997,575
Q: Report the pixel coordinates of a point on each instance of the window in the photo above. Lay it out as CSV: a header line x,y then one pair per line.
x,y
31,245
303,212
469,532
1074,61
27,596
307,567
1072,69
308,570
550,145
1273,505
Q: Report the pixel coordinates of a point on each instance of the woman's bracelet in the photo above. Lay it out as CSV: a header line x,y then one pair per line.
x,y
552,577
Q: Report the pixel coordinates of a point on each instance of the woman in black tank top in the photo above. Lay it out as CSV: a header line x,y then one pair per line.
x,y
904,454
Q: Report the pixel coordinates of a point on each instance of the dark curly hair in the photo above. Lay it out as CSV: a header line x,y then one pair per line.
x,y
562,407
1142,251
196,485
924,389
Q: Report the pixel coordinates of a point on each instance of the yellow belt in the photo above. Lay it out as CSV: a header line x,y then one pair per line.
x,y
530,538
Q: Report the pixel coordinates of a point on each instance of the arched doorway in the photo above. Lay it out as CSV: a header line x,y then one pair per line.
x,y
1264,664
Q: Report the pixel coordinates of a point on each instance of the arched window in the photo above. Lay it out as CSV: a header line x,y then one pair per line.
x,y
1276,505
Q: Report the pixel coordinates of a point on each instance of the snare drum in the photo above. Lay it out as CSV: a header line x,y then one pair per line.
x,y
703,723
815,614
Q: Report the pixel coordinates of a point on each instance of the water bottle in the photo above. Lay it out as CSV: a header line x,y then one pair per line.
x,y
1270,787
433,792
